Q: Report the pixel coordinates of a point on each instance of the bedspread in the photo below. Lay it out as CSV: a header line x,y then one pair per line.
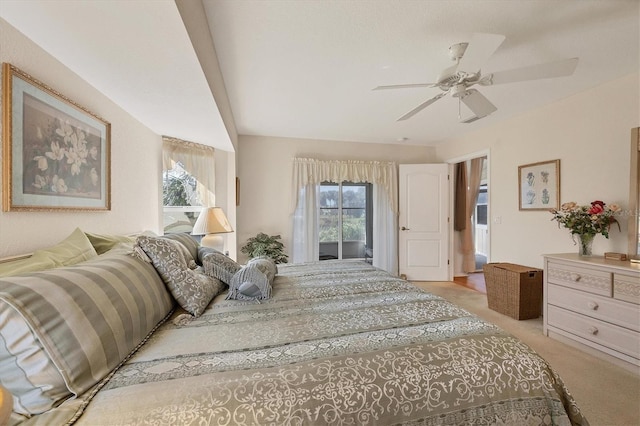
x,y
339,343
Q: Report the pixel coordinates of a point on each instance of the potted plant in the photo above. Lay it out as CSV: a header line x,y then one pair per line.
x,y
265,245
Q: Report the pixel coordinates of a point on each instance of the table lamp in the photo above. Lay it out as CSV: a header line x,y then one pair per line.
x,y
212,221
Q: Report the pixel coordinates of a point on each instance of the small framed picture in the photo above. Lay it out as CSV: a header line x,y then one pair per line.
x,y
539,185
55,153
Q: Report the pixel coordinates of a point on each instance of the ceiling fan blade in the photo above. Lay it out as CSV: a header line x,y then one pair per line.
x,y
421,107
480,48
561,68
405,86
478,103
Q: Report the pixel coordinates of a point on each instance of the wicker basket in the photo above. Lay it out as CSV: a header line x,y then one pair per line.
x,y
514,290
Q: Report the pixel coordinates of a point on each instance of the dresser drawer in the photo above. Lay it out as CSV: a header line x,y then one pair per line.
x,y
617,338
626,287
603,308
579,277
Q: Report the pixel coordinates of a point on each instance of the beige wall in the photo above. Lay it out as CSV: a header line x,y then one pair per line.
x,y
265,167
135,184
590,134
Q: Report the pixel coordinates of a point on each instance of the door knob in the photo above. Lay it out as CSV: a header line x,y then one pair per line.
x,y
404,228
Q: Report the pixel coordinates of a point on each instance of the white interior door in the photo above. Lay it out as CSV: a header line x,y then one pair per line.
x,y
423,238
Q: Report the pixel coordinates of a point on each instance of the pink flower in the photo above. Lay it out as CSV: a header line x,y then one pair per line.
x,y
596,208
598,202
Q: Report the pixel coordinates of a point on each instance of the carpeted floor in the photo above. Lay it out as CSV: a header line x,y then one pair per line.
x,y
607,394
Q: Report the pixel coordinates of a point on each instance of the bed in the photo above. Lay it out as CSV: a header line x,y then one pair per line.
x,y
336,343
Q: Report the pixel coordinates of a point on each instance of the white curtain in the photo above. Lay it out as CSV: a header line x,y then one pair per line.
x,y
197,160
309,173
385,232
306,242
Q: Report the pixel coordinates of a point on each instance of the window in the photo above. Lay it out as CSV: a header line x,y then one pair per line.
x,y
345,220
180,200
188,178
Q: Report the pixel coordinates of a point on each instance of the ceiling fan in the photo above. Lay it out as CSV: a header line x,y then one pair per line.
x,y
470,57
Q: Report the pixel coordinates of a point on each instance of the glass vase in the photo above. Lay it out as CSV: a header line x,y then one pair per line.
x,y
585,244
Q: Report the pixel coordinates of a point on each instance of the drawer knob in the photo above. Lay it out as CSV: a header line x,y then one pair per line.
x,y
593,330
575,277
593,305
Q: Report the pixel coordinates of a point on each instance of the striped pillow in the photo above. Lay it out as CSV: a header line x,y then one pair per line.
x,y
25,367
87,317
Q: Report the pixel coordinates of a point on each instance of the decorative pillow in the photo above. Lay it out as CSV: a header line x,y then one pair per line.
x,y
25,368
203,251
249,283
73,249
84,319
266,265
189,243
192,289
186,254
102,243
220,266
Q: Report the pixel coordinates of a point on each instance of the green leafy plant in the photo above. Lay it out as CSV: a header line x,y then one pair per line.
x,y
265,245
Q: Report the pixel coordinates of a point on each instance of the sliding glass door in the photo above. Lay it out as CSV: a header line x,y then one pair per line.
x,y
345,220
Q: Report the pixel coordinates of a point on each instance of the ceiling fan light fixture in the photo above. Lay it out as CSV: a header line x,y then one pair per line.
x,y
459,90
457,50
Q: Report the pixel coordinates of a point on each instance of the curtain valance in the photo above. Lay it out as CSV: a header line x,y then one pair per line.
x,y
197,160
309,171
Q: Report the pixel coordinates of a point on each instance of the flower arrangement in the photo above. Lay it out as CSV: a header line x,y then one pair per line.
x,y
63,159
592,219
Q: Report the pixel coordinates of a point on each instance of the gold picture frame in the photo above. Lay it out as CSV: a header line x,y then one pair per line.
x,y
539,186
56,154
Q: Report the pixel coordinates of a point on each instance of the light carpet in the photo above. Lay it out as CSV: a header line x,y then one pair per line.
x,y
607,394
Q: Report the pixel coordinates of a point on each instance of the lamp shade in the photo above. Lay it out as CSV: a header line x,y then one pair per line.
x,y
212,220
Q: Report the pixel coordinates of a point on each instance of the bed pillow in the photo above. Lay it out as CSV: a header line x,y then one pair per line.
x,y
189,243
249,283
102,243
220,266
22,266
192,289
26,369
83,319
73,249
203,251
266,265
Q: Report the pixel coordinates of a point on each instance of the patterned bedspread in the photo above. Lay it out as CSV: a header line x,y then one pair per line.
x,y
339,343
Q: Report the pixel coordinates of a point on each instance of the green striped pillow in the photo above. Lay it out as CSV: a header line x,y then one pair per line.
x,y
87,317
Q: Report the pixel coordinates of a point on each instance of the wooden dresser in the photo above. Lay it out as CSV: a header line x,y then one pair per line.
x,y
594,304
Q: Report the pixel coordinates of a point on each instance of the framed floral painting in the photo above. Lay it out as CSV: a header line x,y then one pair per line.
x,y
56,154
539,186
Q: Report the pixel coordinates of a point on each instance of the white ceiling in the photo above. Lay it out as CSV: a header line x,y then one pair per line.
x,y
305,69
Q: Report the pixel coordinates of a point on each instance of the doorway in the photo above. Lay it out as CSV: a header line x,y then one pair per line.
x,y
481,219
